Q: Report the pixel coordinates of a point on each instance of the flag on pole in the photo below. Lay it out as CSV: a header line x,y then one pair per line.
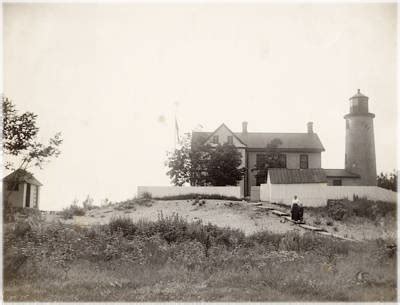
x,y
177,129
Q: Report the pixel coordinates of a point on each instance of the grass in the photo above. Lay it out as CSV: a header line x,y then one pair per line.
x,y
173,260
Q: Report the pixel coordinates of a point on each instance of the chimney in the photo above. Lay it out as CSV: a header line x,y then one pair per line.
x,y
244,127
310,127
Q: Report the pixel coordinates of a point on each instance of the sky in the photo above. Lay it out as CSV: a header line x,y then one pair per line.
x,y
111,77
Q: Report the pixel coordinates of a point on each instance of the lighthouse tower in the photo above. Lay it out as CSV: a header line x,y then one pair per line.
x,y
360,144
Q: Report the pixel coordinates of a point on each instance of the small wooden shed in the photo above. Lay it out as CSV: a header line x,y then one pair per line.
x,y
21,189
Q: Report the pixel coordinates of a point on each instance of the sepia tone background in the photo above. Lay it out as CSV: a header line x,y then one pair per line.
x,y
109,76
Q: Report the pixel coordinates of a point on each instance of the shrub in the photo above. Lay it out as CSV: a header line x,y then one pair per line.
x,y
71,211
88,204
147,195
329,223
123,224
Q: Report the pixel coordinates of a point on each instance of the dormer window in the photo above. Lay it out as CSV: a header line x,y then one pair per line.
x,y
230,140
215,140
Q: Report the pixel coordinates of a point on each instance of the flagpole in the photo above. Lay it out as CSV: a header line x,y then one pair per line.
x,y
176,136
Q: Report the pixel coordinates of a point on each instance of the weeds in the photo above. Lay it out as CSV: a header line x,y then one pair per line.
x,y
169,259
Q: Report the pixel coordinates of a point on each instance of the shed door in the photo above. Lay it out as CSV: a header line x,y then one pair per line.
x,y
28,195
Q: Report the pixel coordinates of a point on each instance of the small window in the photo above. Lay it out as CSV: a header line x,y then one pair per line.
x,y
347,124
303,161
215,140
230,140
282,160
13,186
337,182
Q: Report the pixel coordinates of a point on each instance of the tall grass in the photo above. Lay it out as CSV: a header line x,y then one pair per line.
x,y
174,260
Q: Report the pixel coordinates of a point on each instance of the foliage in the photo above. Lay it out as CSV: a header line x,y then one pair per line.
x,y
194,196
88,204
21,144
147,195
199,164
272,159
20,138
388,181
170,259
223,167
345,209
188,163
73,210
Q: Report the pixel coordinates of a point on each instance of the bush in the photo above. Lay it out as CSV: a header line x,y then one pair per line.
x,y
71,211
147,195
88,204
122,224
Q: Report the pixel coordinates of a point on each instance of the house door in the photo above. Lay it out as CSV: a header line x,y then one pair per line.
x,y
28,195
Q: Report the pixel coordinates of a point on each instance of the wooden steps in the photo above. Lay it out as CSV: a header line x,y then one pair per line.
x,y
311,228
280,213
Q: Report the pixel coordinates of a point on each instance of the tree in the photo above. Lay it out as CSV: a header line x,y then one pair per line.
x,y
223,167
199,164
272,159
20,143
388,181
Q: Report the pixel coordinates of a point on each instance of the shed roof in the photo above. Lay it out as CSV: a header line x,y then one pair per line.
x,y
22,176
340,173
296,176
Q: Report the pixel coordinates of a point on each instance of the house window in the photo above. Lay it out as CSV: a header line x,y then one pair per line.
x,y
303,161
215,139
282,160
260,160
230,140
13,186
337,182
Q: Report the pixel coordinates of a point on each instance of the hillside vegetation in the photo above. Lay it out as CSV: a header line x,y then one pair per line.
x,y
171,259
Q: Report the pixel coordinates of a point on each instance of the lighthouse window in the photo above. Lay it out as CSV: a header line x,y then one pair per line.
x,y
303,161
347,124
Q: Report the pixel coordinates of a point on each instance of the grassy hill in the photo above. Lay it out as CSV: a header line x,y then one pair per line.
x,y
172,259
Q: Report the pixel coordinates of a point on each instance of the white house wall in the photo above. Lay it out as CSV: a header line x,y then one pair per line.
x,y
317,194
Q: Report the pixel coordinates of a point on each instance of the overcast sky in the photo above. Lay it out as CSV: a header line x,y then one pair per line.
x,y
108,76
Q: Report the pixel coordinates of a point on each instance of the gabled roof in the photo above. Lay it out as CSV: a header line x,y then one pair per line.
x,y
296,176
340,173
259,140
223,125
22,176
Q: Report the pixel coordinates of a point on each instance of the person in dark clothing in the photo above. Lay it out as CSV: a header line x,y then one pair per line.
x,y
295,208
295,212
301,212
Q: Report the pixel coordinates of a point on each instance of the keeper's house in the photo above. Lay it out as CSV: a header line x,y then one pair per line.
x,y
301,152
21,189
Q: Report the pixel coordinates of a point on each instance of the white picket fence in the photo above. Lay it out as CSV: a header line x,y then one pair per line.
x,y
318,194
165,191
